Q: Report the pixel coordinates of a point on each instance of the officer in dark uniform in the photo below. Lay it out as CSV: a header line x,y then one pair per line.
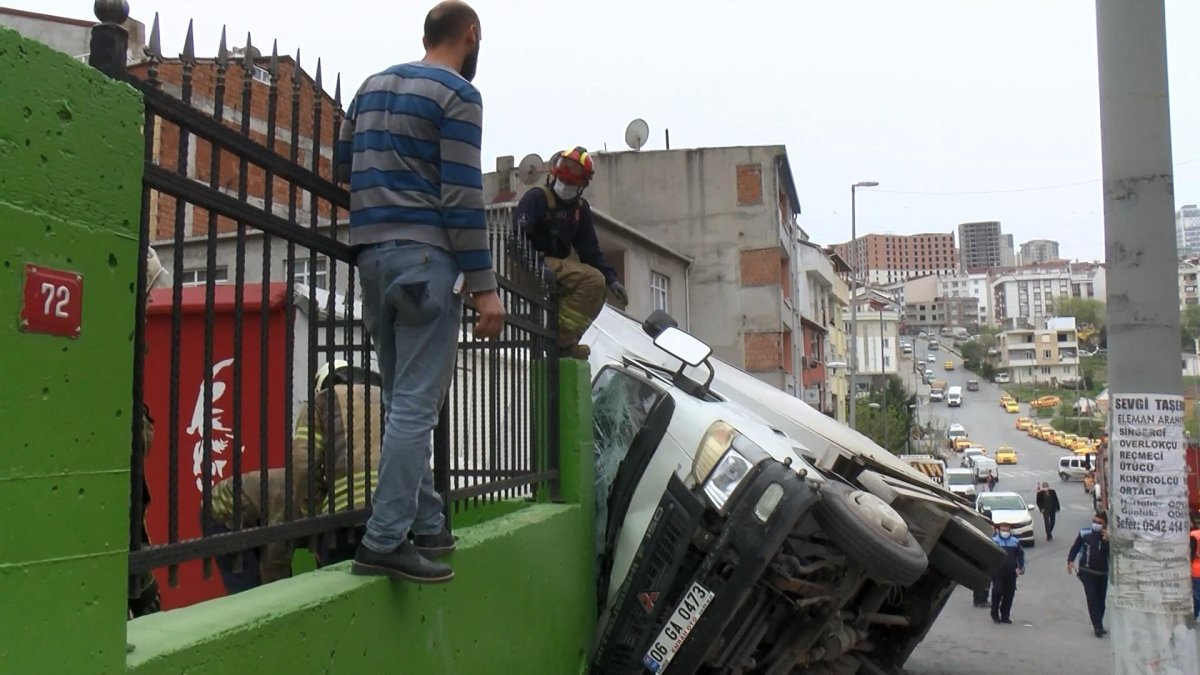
x,y
1091,547
553,219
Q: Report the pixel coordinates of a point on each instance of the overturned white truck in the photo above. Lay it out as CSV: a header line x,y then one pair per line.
x,y
741,531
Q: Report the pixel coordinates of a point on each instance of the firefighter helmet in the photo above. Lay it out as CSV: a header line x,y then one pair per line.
x,y
573,167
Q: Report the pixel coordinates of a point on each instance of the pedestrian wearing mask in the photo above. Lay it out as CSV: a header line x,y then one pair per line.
x,y
1004,581
1047,503
1091,547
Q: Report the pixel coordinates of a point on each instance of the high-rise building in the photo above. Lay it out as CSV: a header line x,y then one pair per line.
x,y
981,245
1187,230
882,259
1008,251
1024,296
1037,251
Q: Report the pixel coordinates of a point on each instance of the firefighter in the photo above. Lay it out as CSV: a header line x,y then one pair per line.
x,y
143,595
553,219
342,391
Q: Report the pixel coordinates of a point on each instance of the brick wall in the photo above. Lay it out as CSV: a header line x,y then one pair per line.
x,y
761,267
199,158
764,351
749,184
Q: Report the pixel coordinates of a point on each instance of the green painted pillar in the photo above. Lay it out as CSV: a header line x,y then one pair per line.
x,y
70,197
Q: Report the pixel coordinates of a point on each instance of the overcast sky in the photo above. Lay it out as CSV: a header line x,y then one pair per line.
x,y
924,96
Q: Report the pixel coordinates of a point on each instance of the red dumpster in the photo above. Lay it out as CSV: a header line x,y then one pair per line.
x,y
189,435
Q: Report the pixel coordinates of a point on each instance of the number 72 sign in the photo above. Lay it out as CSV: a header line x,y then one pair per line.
x,y
53,302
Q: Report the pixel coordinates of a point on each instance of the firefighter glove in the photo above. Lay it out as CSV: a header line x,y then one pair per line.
x,y
619,291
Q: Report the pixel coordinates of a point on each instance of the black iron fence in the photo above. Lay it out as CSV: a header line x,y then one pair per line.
x,y
259,294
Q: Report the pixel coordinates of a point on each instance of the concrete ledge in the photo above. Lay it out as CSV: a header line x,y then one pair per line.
x,y
522,602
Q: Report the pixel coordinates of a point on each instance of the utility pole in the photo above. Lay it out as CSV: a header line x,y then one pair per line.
x,y
854,268
1149,591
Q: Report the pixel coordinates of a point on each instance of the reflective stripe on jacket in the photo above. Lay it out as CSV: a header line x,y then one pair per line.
x,y
343,458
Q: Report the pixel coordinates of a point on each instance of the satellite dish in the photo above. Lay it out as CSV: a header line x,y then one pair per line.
x,y
531,168
636,133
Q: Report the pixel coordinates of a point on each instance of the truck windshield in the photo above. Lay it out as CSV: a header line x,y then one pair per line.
x,y
960,478
621,402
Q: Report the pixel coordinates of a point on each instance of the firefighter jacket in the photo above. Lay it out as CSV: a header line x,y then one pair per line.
x,y
338,472
553,227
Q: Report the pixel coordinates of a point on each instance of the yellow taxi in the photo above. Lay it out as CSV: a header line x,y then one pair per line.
x,y
1068,441
1012,407
1046,402
1006,455
949,365
1023,423
1034,430
961,443
1054,436
1044,432
1005,400
1083,446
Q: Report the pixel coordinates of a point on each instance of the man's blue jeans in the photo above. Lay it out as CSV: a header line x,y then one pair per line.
x,y
1196,597
413,315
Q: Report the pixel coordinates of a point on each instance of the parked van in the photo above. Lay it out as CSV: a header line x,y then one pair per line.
x,y
954,396
1074,467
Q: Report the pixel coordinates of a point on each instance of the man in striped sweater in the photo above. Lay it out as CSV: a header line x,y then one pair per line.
x,y
410,148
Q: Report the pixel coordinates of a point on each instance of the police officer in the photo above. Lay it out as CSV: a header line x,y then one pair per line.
x,y
555,218
1004,581
1091,546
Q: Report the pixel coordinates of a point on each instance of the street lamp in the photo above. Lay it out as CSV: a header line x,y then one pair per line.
x,y
854,299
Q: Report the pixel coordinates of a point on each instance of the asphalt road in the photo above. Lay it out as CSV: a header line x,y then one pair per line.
x,y
1050,632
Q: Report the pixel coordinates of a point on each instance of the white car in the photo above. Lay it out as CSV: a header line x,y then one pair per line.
x,y
1008,507
1002,378
699,465
962,482
931,358
969,454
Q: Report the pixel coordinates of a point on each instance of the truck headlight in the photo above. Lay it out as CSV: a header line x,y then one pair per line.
x,y
723,460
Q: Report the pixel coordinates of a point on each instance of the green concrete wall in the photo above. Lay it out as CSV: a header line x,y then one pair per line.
x,y
522,601
70,191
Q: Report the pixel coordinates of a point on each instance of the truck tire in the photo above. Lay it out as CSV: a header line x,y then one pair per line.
x,y
960,570
972,545
1063,477
871,533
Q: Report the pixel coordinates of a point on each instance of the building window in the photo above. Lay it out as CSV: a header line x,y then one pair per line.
x,y
1045,353
319,276
1045,370
199,275
660,291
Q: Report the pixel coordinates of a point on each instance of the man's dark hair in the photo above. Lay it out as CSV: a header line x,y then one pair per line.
x,y
448,21
1102,516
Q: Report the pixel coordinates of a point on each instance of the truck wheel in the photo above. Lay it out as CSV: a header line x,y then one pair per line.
x,y
972,545
960,570
871,533
1063,477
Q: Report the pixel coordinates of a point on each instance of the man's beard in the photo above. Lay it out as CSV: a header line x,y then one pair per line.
x,y
469,65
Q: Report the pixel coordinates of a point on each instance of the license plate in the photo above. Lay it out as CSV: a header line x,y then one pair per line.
x,y
682,620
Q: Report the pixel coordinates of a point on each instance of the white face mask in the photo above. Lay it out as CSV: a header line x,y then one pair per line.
x,y
565,192
1005,534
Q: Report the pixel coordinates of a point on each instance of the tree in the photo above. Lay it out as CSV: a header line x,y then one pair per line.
x,y
1089,316
872,413
1190,326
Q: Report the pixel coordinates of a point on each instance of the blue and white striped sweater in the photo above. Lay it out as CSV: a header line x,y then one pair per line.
x,y
410,148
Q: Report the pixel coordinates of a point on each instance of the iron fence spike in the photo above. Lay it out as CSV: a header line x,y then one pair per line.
x,y
248,57
317,79
154,47
274,67
296,69
337,91
189,45
223,50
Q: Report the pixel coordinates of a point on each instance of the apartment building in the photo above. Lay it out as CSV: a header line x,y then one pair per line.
x,y
941,312
72,37
883,259
1189,288
1044,355
1024,296
877,337
822,297
732,211
1187,230
982,246
1037,251
969,285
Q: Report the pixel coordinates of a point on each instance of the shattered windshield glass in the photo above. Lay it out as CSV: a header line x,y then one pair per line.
x,y
620,404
